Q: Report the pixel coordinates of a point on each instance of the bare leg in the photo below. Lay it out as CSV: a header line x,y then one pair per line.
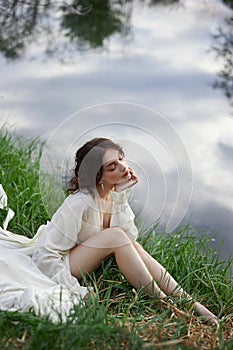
x,y
86,257
167,283
139,268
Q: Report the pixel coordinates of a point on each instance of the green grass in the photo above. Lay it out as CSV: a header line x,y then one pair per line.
x,y
19,166
120,317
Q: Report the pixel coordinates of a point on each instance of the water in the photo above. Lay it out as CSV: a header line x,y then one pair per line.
x,y
152,74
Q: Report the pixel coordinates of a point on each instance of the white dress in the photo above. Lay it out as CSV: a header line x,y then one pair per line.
x,y
35,273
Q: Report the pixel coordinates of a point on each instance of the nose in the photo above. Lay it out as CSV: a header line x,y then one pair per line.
x,y
123,165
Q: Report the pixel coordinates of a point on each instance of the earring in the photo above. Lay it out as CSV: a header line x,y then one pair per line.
x,y
102,186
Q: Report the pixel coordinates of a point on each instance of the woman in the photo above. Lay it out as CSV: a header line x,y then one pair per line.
x,y
96,222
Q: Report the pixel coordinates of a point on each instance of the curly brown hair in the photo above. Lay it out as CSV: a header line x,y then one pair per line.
x,y
89,164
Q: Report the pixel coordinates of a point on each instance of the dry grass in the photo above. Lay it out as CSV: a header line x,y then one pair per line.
x,y
197,334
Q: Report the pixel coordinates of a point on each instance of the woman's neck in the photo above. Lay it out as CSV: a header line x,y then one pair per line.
x,y
104,193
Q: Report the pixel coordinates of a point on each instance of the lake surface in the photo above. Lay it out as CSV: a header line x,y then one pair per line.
x,y
155,76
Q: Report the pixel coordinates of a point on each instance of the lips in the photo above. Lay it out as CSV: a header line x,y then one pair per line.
x,y
126,173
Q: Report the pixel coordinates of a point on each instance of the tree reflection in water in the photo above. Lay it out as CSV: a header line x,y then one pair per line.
x,y
224,50
18,21
103,19
87,23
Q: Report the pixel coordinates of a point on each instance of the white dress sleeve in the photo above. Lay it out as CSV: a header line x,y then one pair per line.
x,y
124,215
129,227
57,238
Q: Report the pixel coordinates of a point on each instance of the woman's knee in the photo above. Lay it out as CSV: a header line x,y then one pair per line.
x,y
110,238
115,237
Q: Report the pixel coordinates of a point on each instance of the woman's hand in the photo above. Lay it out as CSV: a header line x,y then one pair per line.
x,y
128,183
134,177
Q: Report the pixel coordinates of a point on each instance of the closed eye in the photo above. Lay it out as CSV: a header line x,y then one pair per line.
x,y
112,165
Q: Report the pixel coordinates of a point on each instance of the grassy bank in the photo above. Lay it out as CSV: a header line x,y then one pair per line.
x,y
121,318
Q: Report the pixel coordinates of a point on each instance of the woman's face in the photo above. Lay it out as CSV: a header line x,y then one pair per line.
x,y
115,169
